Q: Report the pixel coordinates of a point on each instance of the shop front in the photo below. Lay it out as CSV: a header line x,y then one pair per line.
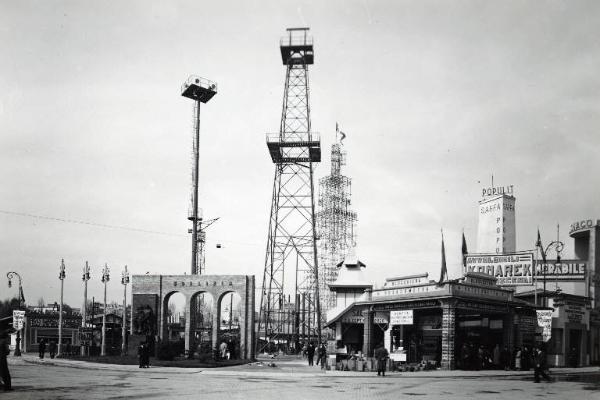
x,y
420,321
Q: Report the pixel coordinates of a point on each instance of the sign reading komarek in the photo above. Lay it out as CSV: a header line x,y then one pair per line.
x,y
512,269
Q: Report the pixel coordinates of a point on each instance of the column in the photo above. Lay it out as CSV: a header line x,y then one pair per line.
x,y
368,315
508,328
448,331
216,312
188,326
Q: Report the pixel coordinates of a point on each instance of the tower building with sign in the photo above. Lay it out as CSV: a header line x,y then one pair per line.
x,y
496,231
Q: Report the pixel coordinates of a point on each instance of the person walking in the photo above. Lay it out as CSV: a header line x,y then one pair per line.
x,y
381,354
540,365
52,348
4,373
322,355
42,348
310,352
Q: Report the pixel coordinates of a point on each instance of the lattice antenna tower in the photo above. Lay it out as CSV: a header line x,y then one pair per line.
x,y
335,222
291,244
201,91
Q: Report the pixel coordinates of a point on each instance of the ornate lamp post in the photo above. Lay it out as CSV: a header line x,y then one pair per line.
x,y
558,247
85,278
105,279
124,282
61,276
10,277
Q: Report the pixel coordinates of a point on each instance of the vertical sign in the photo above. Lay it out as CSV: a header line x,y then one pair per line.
x,y
544,320
18,317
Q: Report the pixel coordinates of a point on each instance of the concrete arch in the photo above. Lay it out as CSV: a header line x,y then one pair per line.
x,y
154,291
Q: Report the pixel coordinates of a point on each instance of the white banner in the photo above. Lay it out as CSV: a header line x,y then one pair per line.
x,y
18,318
544,320
402,317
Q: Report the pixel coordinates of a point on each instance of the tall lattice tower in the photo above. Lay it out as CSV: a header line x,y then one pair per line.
x,y
291,264
335,222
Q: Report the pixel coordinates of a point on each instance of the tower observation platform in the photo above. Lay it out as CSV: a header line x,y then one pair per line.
x,y
199,89
304,147
296,47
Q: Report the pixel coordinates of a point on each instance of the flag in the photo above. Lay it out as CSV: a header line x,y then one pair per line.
x,y
21,295
444,271
343,136
464,250
539,244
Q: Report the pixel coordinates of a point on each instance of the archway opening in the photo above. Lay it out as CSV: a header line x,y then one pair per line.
x,y
202,312
230,322
175,323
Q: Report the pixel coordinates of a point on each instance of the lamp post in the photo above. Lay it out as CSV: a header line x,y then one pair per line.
x,y
124,282
85,278
105,279
558,247
10,276
61,276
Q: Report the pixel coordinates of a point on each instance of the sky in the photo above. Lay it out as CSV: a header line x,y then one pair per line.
x,y
434,96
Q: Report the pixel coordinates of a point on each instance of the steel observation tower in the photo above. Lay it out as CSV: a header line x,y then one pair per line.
x,y
291,262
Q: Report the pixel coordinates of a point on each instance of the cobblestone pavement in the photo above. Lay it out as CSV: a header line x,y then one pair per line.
x,y
72,380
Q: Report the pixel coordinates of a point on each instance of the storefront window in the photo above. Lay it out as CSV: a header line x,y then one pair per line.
x,y
555,345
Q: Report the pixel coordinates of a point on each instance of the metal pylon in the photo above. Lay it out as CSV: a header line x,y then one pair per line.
x,y
291,244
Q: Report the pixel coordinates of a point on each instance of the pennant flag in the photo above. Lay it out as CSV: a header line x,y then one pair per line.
x,y
464,250
343,136
539,244
21,295
444,271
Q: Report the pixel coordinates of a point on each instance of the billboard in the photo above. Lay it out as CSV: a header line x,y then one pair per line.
x,y
514,269
564,271
496,231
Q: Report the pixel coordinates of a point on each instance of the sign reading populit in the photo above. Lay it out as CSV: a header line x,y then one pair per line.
x,y
497,191
512,269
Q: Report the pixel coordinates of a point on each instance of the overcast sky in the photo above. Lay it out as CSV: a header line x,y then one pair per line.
x,y
434,96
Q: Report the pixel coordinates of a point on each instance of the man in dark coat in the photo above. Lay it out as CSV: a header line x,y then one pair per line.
x,y
52,348
42,348
540,365
322,356
381,354
4,373
310,351
141,354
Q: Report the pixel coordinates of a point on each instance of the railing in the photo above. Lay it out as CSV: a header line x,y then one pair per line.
x,y
199,81
296,41
293,137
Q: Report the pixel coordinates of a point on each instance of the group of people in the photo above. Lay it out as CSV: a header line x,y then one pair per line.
x,y
474,357
309,350
52,348
227,350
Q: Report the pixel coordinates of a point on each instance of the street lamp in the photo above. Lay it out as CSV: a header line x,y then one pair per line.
x,y
558,247
105,279
124,282
85,278
10,276
61,276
